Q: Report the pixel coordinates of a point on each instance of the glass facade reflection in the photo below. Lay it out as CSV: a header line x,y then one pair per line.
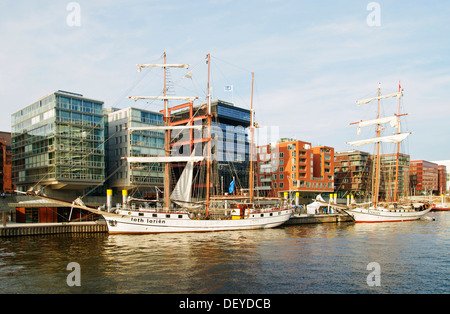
x,y
138,143
58,141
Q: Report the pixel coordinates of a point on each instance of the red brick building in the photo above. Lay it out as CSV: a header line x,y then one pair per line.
x,y
293,166
6,185
424,177
442,179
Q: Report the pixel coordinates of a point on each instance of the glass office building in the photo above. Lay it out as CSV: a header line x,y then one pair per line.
x,y
58,142
122,142
230,145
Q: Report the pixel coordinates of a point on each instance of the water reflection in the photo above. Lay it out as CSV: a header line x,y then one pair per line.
x,y
323,258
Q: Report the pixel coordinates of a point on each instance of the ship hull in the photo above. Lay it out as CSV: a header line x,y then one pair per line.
x,y
437,208
362,215
151,222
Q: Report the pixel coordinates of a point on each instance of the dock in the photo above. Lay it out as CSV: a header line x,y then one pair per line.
x,y
318,218
25,229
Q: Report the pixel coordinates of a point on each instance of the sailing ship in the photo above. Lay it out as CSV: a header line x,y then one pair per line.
x,y
179,213
387,211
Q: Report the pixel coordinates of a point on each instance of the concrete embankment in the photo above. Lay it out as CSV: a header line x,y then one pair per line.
x,y
25,229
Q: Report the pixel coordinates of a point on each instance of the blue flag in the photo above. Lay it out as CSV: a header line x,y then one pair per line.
x,y
231,188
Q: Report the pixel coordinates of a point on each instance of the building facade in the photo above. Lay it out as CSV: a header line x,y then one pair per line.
x,y
424,177
6,185
229,144
58,143
388,176
353,173
123,142
442,179
444,176
292,166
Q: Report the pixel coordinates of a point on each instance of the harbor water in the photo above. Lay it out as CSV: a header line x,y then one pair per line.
x,y
413,257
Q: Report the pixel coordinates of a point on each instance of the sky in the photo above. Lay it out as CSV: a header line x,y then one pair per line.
x,y
311,60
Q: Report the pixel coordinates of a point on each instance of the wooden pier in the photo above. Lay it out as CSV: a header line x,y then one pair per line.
x,y
26,229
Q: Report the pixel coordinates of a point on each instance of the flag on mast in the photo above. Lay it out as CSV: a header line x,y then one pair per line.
x,y
231,188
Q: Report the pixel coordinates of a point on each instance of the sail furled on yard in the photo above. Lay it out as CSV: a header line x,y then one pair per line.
x,y
394,121
368,100
397,138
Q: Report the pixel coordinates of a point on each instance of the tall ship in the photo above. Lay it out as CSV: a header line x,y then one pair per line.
x,y
395,210
178,211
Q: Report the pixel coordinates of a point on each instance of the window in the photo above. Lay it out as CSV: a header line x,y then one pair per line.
x,y
281,155
281,185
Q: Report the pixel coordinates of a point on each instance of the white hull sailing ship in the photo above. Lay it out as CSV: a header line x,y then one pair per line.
x,y
159,222
396,210
188,216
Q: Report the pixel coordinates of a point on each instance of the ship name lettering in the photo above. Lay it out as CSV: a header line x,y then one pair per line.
x,y
156,221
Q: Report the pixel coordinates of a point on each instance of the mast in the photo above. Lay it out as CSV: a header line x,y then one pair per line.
x,y
377,166
250,185
166,143
396,138
208,158
398,148
167,128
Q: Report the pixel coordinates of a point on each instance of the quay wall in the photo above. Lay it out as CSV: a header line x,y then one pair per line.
x,y
25,229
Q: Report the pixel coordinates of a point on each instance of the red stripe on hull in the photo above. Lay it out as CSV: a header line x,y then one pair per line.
x,y
386,221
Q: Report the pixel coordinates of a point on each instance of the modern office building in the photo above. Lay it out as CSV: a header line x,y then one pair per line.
x,y
353,173
424,177
388,176
6,185
230,144
58,143
123,142
293,166
442,179
444,175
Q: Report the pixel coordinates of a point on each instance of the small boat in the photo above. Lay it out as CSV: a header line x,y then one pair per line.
x,y
396,210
